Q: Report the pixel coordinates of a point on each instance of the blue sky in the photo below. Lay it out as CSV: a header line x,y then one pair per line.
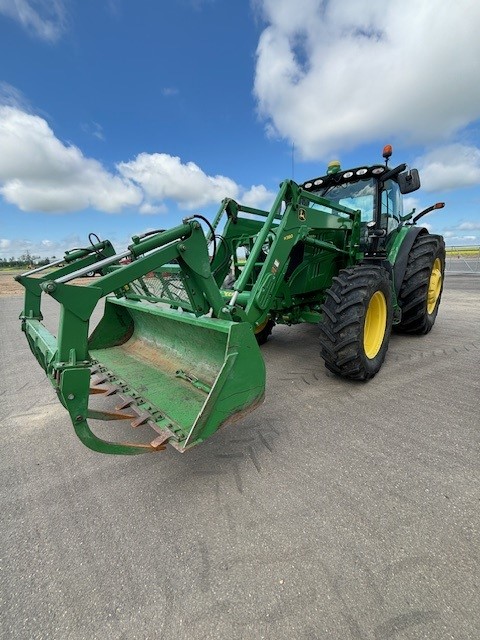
x,y
120,116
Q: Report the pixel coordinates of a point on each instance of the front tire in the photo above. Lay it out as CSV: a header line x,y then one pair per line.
x,y
263,331
421,290
357,322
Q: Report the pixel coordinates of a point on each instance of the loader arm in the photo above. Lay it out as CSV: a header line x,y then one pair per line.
x,y
296,218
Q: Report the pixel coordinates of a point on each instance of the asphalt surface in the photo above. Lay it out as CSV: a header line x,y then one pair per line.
x,y
336,510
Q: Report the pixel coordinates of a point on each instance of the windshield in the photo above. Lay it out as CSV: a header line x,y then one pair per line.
x,y
355,195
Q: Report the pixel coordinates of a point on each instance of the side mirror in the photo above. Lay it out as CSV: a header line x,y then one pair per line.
x,y
408,181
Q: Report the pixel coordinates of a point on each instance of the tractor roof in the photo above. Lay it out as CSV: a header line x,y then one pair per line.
x,y
350,175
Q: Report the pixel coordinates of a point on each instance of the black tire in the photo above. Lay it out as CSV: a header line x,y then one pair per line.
x,y
422,286
359,299
263,333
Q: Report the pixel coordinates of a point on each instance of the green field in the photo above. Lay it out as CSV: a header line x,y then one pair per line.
x,y
464,252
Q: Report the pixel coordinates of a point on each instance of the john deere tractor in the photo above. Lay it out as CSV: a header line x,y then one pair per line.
x,y
185,311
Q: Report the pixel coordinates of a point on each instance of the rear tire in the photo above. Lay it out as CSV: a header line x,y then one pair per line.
x,y
357,322
421,290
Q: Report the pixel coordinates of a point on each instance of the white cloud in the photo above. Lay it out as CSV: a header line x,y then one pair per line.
x,y
17,246
198,5
410,203
450,167
44,248
457,235
332,75
10,96
148,208
46,19
469,226
451,236
94,129
38,172
41,173
258,197
165,177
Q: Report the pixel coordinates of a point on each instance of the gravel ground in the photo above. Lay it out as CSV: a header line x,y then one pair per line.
x,y
9,287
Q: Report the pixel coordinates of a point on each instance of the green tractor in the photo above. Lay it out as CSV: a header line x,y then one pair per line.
x,y
179,339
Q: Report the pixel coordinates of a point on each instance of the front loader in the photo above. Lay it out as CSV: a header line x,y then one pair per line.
x,y
178,343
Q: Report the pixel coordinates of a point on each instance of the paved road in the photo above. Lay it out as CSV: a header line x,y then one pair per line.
x,y
335,511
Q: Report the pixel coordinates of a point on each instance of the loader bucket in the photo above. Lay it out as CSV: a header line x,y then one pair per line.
x,y
188,374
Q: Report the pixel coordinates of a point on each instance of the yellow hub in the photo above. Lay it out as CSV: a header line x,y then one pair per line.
x,y
261,327
434,286
375,325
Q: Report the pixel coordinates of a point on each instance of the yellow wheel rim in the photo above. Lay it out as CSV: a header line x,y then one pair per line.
x,y
434,286
375,325
261,327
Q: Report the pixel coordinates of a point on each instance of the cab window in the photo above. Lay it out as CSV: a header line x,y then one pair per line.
x,y
354,195
391,206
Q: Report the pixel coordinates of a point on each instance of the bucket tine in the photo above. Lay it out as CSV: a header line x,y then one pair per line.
x,y
126,402
159,444
143,418
108,415
108,390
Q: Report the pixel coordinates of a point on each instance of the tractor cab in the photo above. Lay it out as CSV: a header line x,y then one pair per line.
x,y
376,191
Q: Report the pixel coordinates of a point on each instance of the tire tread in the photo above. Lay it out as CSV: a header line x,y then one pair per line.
x,y
344,309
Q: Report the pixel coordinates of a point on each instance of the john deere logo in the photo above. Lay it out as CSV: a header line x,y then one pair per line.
x,y
302,215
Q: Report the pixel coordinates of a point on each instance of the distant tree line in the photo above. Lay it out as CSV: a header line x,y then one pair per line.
x,y
25,260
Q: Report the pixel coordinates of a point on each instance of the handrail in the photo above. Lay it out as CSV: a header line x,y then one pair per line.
x,y
260,241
